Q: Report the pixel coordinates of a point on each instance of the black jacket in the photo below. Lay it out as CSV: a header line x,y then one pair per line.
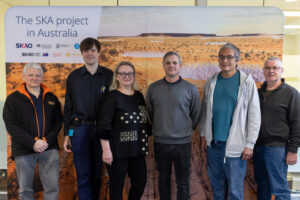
x,y
280,117
21,121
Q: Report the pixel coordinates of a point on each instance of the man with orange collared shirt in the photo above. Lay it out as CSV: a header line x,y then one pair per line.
x,y
33,118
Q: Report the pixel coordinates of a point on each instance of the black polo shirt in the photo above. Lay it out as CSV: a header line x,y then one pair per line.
x,y
84,93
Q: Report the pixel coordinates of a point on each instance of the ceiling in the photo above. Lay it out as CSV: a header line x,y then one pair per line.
x,y
291,5
288,5
285,5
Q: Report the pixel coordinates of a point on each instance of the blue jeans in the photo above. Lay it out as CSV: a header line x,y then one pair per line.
x,y
87,159
48,164
226,174
180,155
270,171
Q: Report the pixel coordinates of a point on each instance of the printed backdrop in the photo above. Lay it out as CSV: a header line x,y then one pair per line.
x,y
141,35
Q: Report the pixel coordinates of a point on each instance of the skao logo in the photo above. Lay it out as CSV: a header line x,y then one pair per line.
x,y
23,45
45,54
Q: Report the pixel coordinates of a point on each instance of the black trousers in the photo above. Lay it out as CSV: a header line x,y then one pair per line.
x,y
137,172
180,156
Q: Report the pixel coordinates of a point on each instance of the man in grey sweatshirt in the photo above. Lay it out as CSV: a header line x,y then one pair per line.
x,y
174,107
229,124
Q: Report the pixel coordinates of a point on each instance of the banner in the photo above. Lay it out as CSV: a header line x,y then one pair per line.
x,y
141,35
48,35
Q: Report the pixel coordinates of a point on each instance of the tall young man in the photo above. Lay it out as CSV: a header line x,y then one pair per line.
x,y
86,87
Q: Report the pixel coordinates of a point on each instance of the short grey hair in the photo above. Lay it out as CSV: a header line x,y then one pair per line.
x,y
172,53
34,66
235,49
273,58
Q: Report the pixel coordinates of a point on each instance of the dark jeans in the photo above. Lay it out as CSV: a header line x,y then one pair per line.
x,y
270,171
137,172
87,159
226,174
180,155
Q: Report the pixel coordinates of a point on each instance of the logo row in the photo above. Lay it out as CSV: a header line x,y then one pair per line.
x,y
54,55
45,46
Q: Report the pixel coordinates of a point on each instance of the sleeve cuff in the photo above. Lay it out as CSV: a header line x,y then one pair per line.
x,y
250,145
201,132
105,135
292,149
44,139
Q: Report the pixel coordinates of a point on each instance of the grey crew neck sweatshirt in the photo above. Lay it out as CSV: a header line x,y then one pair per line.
x,y
174,110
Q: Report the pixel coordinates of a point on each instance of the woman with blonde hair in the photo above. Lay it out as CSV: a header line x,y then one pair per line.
x,y
123,128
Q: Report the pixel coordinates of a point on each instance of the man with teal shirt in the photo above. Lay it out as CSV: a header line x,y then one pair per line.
x,y
229,124
225,96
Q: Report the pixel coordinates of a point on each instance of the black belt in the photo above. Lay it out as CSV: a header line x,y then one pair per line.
x,y
84,122
78,122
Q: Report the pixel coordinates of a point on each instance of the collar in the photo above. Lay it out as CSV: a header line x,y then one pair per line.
x,y
22,90
180,79
264,85
31,95
84,70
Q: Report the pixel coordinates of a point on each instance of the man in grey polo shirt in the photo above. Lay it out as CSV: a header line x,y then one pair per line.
x,y
174,107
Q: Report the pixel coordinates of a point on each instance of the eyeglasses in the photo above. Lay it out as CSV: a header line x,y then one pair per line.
x,y
226,57
271,68
124,74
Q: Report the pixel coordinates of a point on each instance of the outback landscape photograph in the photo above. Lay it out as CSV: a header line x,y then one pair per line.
x,y
142,35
